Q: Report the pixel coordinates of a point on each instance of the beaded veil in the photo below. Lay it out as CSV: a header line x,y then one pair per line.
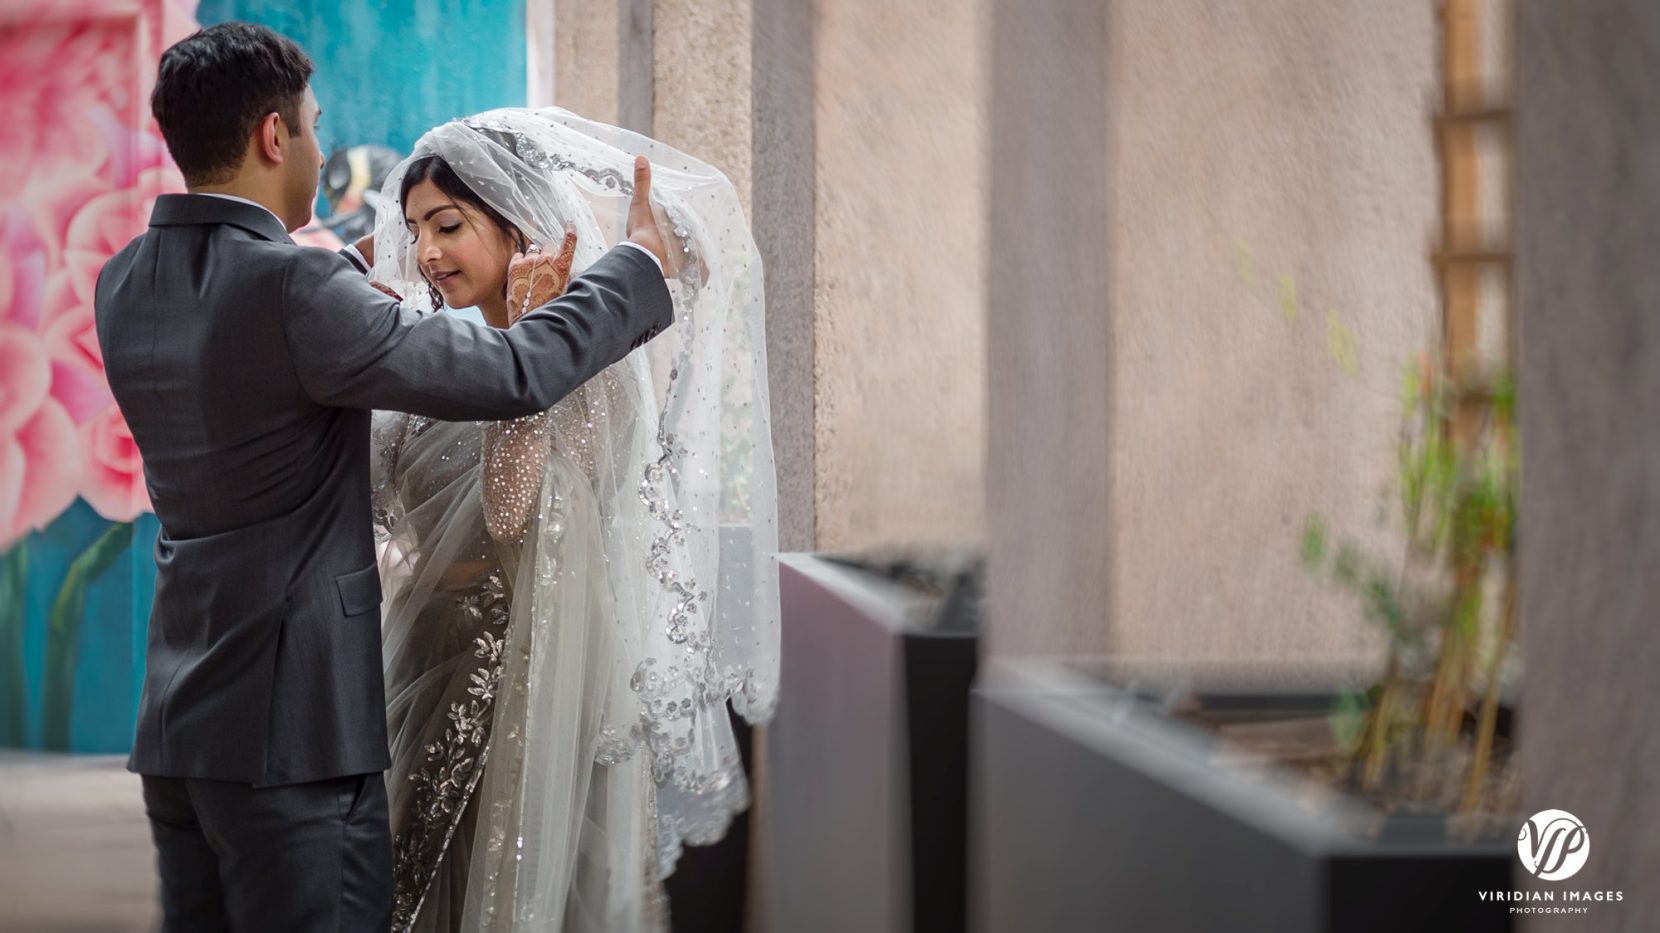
x,y
643,593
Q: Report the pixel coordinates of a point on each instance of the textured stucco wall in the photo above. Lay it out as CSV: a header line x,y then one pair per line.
x,y
1588,171
1274,187
899,266
1213,221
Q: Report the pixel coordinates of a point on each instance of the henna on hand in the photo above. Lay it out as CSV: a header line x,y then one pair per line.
x,y
535,279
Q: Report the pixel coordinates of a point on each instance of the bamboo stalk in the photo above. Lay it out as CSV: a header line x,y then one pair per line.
x,y
1375,743
1437,702
1490,704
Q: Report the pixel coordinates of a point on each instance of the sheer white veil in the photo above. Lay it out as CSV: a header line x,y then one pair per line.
x,y
680,459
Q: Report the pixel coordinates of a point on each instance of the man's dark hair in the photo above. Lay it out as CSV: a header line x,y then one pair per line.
x,y
213,88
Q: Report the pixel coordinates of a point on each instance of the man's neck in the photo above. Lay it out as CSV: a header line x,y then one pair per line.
x,y
239,190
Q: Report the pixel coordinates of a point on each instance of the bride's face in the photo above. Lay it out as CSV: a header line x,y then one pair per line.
x,y
461,251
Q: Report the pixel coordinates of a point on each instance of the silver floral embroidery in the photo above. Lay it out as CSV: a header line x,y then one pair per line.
x,y
550,162
454,762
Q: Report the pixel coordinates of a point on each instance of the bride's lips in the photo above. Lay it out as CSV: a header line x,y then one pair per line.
x,y
439,278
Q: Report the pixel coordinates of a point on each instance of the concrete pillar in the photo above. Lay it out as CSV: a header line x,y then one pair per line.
x,y
1588,188
585,60
1049,344
636,64
701,68
782,217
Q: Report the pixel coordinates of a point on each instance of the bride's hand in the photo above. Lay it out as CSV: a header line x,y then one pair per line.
x,y
534,280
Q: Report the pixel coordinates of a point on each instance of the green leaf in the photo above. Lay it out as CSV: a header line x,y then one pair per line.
x,y
1348,719
1341,342
1347,567
1382,602
1467,612
1409,388
1504,397
63,631
1314,543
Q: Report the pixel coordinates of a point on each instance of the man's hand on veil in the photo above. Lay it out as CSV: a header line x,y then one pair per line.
x,y
645,220
535,279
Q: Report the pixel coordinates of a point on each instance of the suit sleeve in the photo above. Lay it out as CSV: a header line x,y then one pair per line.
x,y
354,347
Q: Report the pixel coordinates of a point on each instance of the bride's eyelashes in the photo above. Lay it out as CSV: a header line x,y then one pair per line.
x,y
415,236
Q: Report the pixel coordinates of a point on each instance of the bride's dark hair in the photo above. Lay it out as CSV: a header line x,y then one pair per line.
x,y
434,169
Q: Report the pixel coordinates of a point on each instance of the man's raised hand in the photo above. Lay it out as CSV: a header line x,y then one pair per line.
x,y
643,227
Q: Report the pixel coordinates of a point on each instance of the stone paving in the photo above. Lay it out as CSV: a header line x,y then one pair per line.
x,y
74,846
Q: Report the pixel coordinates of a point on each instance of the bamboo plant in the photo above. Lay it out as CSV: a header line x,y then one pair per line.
x,y
1428,727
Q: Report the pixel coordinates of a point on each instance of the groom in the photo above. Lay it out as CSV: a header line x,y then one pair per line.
x,y
246,367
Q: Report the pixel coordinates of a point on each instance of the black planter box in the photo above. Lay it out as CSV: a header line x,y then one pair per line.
x,y
1096,811
866,762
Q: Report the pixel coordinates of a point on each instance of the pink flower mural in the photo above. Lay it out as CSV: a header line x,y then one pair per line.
x,y
87,162
81,164
111,474
39,451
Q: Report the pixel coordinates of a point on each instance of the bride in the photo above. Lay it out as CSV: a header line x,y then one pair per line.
x,y
573,599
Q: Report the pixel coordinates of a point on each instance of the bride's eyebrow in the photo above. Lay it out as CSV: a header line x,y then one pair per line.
x,y
441,207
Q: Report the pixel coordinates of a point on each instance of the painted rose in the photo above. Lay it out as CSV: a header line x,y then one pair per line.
x,y
49,72
40,457
107,222
71,341
112,473
23,267
86,162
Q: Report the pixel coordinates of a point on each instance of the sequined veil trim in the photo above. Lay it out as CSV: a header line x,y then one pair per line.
x,y
672,691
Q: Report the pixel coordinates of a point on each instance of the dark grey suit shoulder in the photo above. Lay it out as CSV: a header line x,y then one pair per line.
x,y
246,367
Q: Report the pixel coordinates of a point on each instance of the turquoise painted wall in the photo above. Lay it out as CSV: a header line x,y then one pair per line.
x,y
104,645
388,72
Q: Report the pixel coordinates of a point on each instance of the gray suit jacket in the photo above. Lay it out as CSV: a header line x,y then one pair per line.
x,y
246,367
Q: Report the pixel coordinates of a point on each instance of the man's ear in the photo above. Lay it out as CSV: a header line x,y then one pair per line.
x,y
271,137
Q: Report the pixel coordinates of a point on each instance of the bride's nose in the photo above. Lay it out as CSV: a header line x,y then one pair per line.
x,y
428,252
